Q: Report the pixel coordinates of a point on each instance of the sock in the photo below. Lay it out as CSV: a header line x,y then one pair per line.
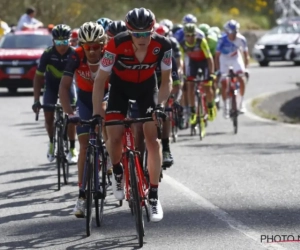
x,y
118,168
193,111
72,143
81,192
153,191
165,145
51,138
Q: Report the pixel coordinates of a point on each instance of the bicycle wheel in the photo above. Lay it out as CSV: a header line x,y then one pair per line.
x,y
200,114
101,191
136,201
234,113
65,163
57,140
89,195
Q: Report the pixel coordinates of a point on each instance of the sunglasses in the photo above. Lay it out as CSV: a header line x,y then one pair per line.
x,y
61,42
189,35
141,34
93,47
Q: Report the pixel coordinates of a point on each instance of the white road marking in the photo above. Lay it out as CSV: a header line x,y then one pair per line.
x,y
219,213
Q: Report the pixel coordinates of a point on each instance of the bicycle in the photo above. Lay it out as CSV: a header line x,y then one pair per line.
x,y
201,110
61,140
136,184
232,92
95,171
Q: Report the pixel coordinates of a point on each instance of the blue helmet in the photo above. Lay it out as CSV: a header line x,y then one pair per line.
x,y
231,26
104,22
189,18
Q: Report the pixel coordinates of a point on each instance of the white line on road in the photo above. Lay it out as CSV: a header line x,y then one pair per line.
x,y
219,213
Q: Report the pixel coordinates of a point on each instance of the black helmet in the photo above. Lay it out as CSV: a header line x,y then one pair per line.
x,y
116,27
140,19
61,31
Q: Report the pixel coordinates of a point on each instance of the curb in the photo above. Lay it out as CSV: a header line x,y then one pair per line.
x,y
250,113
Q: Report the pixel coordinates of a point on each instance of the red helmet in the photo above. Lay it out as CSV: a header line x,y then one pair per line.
x,y
162,30
74,34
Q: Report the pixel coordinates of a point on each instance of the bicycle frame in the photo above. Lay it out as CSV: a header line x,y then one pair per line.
x,y
128,146
199,91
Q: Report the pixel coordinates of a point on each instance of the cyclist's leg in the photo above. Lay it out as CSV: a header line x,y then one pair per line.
x,y
239,67
146,103
116,110
72,156
84,111
50,97
224,66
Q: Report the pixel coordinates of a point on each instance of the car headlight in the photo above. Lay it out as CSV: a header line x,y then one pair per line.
x,y
259,46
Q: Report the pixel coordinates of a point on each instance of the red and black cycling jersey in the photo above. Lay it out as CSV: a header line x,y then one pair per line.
x,y
78,65
119,56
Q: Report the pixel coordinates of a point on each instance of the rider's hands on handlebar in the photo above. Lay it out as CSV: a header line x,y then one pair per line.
x,y
36,106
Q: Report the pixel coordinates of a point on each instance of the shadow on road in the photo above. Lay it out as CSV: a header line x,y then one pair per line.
x,y
249,148
18,94
291,108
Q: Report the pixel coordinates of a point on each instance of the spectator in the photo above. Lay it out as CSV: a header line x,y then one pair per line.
x,y
4,28
27,20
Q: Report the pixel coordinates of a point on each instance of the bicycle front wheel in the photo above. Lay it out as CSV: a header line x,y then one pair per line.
x,y
58,157
234,113
89,194
136,201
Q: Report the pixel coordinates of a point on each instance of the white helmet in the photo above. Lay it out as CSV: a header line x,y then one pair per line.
x,y
91,32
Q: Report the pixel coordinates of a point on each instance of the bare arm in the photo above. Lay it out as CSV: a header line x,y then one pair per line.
x,y
64,93
217,60
165,87
98,92
38,82
246,58
211,66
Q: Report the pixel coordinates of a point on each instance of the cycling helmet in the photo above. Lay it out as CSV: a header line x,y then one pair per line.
x,y
50,27
216,30
61,31
231,26
74,34
115,28
91,32
204,28
168,23
162,30
140,19
104,22
190,28
177,27
189,18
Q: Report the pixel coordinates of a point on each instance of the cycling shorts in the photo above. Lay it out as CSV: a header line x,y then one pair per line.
x,y
84,109
51,95
236,63
145,93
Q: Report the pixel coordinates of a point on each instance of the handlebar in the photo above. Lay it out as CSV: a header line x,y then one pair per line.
x,y
51,107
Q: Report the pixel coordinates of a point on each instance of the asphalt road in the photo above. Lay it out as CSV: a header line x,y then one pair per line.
x,y
225,192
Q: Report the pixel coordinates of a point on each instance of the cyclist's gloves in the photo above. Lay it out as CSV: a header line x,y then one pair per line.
x,y
159,112
36,106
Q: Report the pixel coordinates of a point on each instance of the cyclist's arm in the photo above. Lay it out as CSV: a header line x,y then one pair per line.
x,y
67,81
176,82
218,53
182,59
177,55
208,56
166,75
39,77
106,64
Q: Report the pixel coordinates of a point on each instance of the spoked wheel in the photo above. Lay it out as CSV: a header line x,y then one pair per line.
x,y
136,202
234,114
89,195
64,162
100,194
199,118
58,157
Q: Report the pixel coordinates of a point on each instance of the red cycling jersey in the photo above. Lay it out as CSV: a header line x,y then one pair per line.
x,y
78,64
119,56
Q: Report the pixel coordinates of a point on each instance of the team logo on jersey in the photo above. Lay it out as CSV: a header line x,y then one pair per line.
x,y
108,59
167,59
156,51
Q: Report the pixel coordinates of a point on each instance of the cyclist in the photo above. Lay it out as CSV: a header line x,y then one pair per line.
x,y
115,28
228,54
197,55
74,38
84,63
179,34
104,22
50,70
132,57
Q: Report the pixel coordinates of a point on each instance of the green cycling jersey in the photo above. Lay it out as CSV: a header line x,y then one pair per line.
x,y
212,40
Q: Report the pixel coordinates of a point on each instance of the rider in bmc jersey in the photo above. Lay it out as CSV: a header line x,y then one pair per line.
x,y
50,70
84,63
228,55
131,57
